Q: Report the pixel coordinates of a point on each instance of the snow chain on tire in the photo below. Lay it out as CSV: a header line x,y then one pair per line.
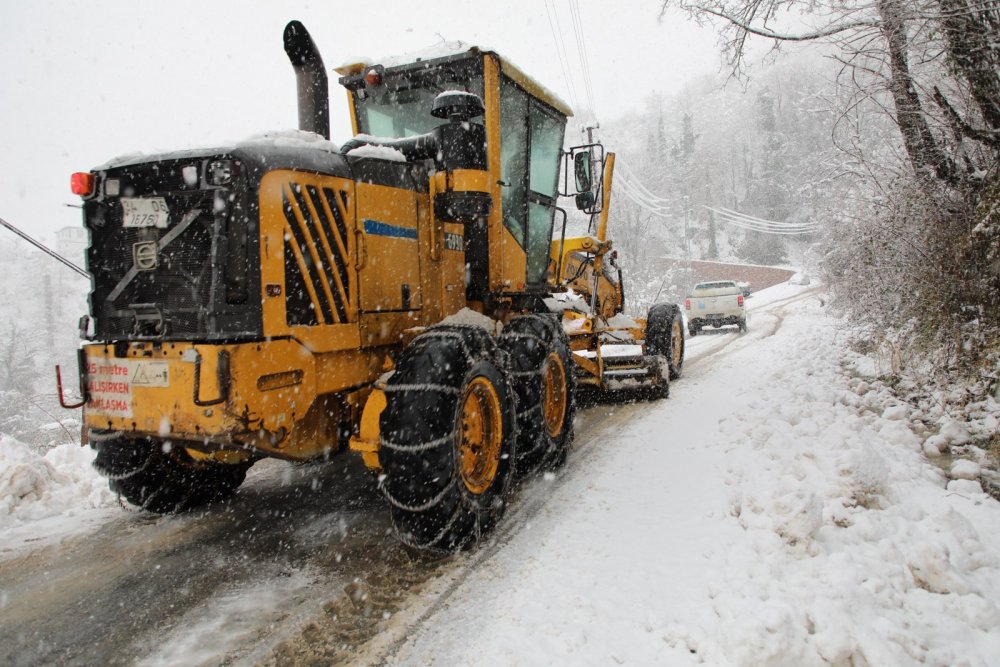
x,y
530,340
143,474
432,504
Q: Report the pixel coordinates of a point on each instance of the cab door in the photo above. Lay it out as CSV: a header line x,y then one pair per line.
x,y
530,152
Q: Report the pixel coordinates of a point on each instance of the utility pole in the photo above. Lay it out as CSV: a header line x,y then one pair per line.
x,y
687,237
590,139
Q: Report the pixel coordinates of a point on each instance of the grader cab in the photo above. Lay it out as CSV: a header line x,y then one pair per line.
x,y
284,297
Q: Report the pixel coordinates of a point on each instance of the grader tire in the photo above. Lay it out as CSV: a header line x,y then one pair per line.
x,y
665,336
448,438
164,482
545,383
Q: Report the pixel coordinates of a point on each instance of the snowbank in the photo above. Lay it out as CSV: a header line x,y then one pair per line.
x,y
35,487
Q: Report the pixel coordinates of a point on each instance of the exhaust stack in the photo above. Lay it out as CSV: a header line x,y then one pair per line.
x,y
310,79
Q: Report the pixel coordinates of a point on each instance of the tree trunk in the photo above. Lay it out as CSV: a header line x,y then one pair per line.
x,y
968,33
921,147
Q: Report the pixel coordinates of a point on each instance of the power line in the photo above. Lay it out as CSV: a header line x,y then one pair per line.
x,y
581,47
560,44
633,190
761,224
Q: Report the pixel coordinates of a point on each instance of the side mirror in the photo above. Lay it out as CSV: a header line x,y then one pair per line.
x,y
581,167
585,200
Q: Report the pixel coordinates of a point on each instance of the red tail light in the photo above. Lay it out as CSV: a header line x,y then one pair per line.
x,y
82,183
739,300
687,304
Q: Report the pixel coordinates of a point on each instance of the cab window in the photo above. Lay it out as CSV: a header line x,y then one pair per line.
x,y
546,144
530,146
404,109
514,157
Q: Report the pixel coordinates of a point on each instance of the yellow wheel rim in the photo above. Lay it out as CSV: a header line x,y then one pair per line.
x,y
481,435
554,401
675,344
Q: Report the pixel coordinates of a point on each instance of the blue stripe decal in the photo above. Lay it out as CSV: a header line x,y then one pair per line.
x,y
384,229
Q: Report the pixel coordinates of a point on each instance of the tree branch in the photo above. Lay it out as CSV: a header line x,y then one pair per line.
x,y
784,37
988,137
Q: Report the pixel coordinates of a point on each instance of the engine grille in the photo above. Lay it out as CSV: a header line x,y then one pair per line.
x,y
184,294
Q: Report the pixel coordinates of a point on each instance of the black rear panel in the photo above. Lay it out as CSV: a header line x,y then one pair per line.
x,y
195,278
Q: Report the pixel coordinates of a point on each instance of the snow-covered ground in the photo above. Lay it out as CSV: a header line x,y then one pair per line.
x,y
778,509
775,510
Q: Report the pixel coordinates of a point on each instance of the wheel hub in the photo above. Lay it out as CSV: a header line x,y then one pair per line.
x,y
481,435
554,400
675,344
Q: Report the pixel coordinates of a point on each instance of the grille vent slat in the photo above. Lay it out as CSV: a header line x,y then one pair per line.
x,y
306,214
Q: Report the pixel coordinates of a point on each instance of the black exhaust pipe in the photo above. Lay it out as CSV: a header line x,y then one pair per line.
x,y
310,79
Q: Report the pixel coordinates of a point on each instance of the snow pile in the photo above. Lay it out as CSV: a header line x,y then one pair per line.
x,y
623,321
773,511
568,300
442,49
290,139
870,559
469,317
34,487
380,152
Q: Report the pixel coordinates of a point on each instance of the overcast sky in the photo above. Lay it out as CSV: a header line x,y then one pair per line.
x,y
82,82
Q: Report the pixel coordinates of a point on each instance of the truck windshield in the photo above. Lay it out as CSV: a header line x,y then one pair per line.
x,y
406,111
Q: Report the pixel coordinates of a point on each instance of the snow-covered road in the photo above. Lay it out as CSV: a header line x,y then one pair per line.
x,y
775,510
765,514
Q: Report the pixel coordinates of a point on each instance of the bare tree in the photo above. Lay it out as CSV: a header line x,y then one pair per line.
x,y
876,41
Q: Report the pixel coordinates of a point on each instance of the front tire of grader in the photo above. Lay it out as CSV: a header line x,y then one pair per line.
x,y
665,335
164,482
542,375
448,438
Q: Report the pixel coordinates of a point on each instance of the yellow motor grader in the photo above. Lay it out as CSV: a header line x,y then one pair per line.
x,y
612,352
283,297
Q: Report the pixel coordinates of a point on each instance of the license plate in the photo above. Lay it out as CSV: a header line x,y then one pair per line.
x,y
145,212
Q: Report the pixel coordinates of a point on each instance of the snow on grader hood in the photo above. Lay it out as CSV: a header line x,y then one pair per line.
x,y
281,297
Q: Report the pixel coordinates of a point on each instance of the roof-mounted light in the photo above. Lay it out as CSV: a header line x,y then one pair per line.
x,y
373,77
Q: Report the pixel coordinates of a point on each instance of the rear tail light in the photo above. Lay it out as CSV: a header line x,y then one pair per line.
x,y
739,299
82,183
687,304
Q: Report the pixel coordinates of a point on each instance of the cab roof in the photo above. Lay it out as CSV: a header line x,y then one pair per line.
x,y
454,50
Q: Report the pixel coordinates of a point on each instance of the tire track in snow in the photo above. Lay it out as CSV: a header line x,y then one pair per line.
x,y
529,499
774,309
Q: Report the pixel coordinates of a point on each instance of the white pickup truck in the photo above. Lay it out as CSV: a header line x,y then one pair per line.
x,y
715,304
